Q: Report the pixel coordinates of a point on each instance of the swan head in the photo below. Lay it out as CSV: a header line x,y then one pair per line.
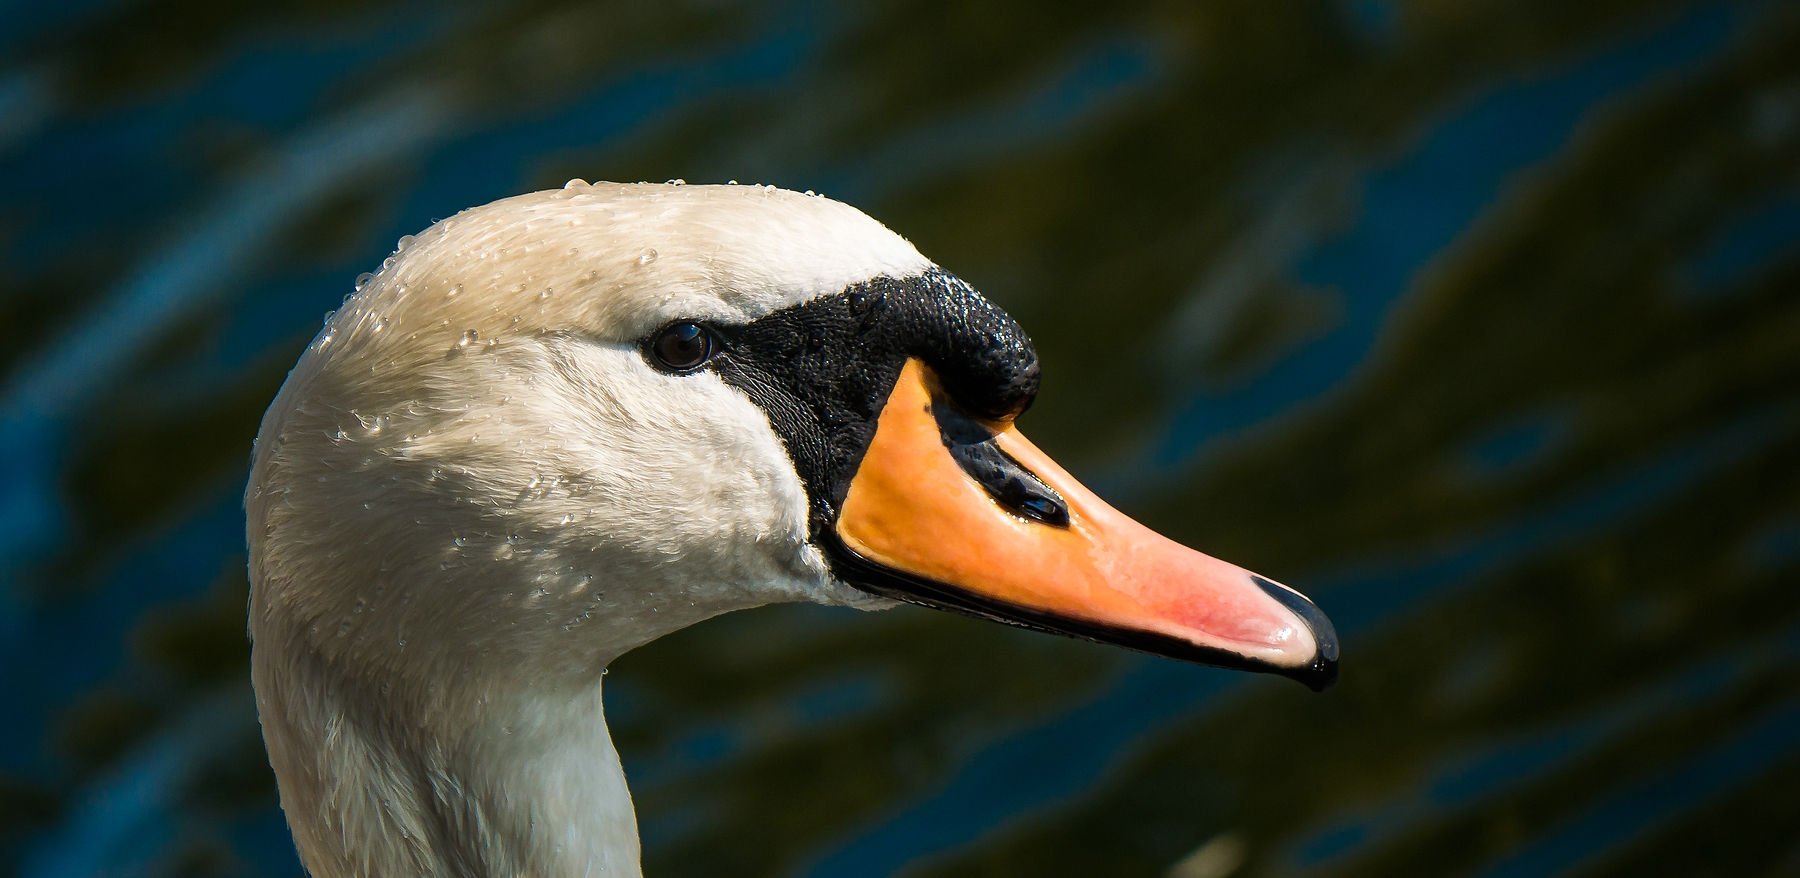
x,y
557,426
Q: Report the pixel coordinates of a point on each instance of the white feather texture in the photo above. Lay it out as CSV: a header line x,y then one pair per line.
x,y
472,493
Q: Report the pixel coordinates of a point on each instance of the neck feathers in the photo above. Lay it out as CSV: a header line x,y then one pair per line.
x,y
495,782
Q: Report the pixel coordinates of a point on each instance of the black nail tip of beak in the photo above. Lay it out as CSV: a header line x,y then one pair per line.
x,y
1318,676
1323,671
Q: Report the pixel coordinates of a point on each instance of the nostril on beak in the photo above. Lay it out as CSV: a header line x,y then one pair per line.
x,y
1014,487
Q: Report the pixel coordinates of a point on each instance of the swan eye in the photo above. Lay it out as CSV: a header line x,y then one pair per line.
x,y
682,346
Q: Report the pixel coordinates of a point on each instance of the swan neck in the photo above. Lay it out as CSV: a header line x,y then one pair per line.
x,y
495,782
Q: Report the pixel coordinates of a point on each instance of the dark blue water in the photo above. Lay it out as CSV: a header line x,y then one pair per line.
x,y
1480,323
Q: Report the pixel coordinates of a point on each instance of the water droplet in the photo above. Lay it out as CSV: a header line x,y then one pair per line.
x,y
468,338
404,242
576,183
731,182
362,280
675,182
328,316
810,192
454,290
646,257
603,672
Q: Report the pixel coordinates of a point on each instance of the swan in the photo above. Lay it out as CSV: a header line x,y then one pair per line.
x,y
558,426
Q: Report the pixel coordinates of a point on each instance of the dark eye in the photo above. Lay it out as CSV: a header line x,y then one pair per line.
x,y
682,346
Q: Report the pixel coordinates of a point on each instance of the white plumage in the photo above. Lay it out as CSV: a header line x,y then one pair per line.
x,y
472,494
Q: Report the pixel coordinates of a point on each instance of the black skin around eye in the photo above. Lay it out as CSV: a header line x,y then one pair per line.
x,y
682,346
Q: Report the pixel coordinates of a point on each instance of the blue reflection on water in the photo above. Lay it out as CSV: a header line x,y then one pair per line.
x,y
72,646
21,20
1032,769
1775,546
1642,806
1463,779
1517,445
126,819
1747,245
1096,80
1419,205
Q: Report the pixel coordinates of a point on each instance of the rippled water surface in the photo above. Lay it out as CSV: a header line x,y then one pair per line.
x,y
1477,320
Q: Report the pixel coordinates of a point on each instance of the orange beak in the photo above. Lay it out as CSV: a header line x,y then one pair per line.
x,y
965,514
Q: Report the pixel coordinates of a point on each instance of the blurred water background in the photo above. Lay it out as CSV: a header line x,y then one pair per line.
x,y
1478,320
